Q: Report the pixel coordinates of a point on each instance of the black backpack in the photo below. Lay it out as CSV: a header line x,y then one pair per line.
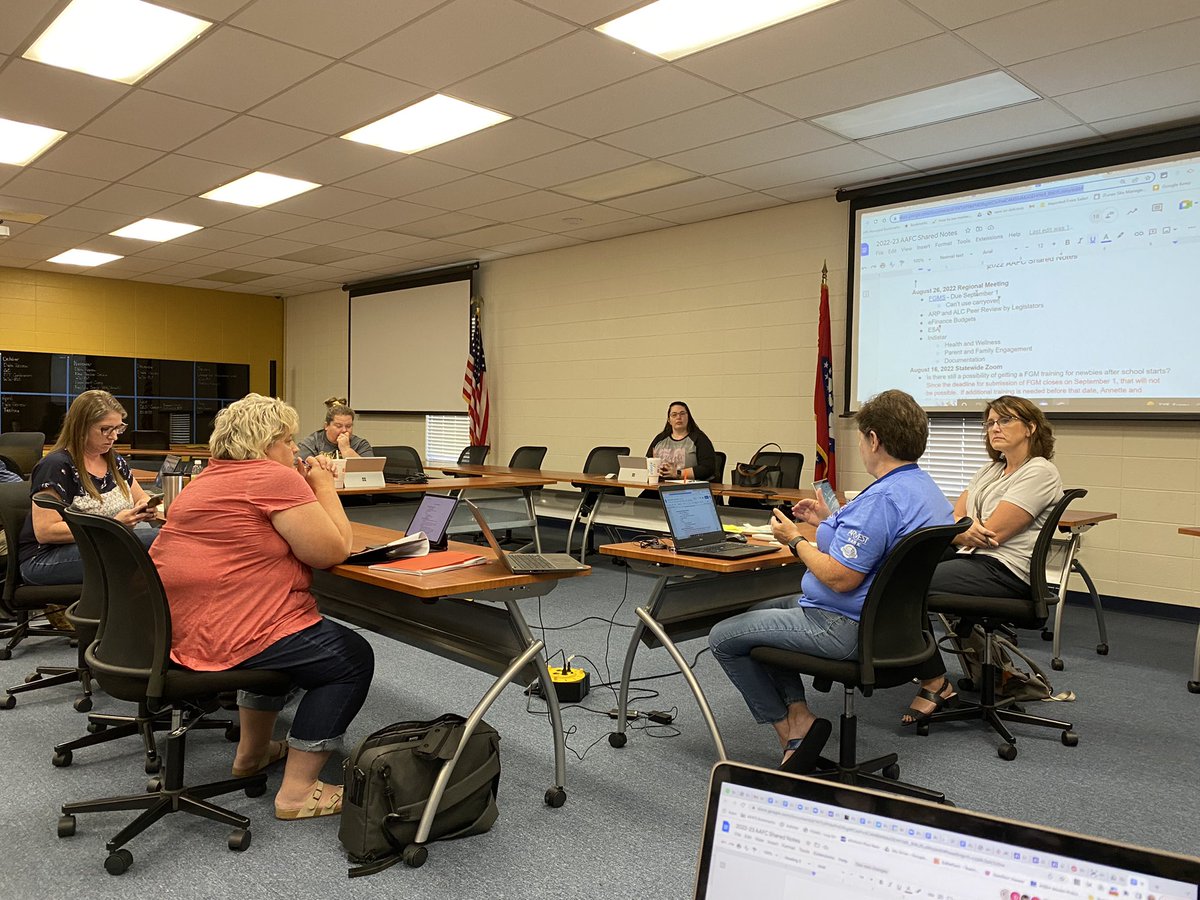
x,y
388,780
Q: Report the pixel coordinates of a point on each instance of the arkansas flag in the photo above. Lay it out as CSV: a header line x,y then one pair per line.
x,y
826,466
475,390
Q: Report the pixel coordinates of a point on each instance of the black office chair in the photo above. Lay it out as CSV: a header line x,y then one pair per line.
x,y
893,640
402,461
149,440
993,613
22,449
719,474
600,461
527,458
475,455
790,466
131,659
24,603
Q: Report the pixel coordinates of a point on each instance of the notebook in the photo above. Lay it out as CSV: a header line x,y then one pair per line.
x,y
430,564
525,563
769,834
696,526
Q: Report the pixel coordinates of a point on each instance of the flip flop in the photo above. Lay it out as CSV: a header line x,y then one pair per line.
x,y
937,698
276,751
806,751
326,800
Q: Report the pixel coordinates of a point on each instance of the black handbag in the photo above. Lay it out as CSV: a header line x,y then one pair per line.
x,y
388,779
757,475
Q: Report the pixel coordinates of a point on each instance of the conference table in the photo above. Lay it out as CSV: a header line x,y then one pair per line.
x,y
1194,684
468,616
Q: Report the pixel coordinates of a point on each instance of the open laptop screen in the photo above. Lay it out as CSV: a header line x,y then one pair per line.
x,y
774,835
691,511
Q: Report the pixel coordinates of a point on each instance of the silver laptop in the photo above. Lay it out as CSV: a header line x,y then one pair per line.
x,y
525,563
770,834
695,523
634,468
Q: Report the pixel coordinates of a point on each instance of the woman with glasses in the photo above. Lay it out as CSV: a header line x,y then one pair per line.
x,y
1008,500
86,474
681,448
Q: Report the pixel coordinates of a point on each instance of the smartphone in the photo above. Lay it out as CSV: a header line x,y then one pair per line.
x,y
152,500
826,493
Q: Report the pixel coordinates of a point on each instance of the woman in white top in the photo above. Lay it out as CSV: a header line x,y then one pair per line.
x,y
1009,500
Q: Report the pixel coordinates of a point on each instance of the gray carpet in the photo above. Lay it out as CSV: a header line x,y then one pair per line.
x,y
631,823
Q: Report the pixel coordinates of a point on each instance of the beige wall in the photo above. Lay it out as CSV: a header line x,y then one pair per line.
x,y
55,312
587,345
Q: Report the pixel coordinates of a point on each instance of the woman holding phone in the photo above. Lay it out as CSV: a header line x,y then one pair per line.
x,y
85,473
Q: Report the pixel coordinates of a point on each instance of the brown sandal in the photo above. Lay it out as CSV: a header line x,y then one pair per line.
x,y
276,751
937,698
326,800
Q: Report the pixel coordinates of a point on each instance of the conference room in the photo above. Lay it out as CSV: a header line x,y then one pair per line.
x,y
634,227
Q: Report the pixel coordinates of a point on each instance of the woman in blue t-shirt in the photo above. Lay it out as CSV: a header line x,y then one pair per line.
x,y
85,473
851,546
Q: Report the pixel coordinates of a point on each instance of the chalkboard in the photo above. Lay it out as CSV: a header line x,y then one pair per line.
x,y
178,397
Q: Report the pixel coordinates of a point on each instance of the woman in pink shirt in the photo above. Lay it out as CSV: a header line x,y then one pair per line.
x,y
236,558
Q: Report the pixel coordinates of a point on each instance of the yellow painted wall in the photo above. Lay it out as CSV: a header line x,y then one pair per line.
x,y
55,312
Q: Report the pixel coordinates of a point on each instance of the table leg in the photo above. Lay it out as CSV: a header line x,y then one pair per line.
x,y
551,696
1194,684
1056,662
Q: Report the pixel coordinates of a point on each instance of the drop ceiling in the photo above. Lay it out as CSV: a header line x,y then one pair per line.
x,y
275,82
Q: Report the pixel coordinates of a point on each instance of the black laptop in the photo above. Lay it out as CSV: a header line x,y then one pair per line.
x,y
769,834
696,526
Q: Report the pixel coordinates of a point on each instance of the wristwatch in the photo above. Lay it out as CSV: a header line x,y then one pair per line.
x,y
794,543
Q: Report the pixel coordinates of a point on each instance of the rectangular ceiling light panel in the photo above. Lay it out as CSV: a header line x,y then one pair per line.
x,y
22,143
435,120
259,189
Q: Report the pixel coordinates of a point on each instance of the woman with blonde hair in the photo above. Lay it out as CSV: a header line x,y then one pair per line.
x,y
87,474
337,438
236,558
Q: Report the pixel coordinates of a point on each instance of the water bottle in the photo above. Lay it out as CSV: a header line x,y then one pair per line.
x,y
197,466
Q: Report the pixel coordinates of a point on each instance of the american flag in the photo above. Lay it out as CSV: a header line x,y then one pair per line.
x,y
826,466
475,390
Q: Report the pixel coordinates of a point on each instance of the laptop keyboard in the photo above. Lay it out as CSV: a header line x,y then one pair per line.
x,y
530,560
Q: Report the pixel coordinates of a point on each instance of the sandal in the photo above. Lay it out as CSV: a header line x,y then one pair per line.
x,y
276,751
939,700
318,804
806,751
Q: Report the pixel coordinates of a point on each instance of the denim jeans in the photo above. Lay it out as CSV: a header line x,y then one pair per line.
x,y
769,691
61,563
334,666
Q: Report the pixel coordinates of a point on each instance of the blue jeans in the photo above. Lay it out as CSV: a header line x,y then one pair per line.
x,y
769,691
61,563
334,666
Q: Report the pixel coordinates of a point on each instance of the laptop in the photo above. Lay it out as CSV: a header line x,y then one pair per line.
x,y
172,464
361,471
770,834
696,526
525,563
635,468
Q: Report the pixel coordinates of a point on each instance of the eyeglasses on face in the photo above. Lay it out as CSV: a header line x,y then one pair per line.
x,y
1002,421
113,430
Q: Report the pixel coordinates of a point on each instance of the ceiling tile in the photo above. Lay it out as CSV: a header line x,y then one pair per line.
x,y
810,42
227,259
136,201
902,70
634,225
581,62
249,142
28,205
1170,115
500,145
234,69
156,120
21,22
716,209
332,160
378,241
701,190
829,184
47,235
390,214
568,164
318,255
957,13
1119,60
184,174
524,206
1065,24
335,29
202,212
326,232
845,157
706,125
340,99
1004,149
407,175
643,98
763,146
212,10
449,223
585,12
274,247
1150,92
326,202
538,244
212,239
173,251
94,220
79,154
469,191
267,222
54,97
576,218
53,187
481,34
493,235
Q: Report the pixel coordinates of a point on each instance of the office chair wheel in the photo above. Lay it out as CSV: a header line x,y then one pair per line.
x,y
153,784
1102,649
414,855
9,701
66,826
1007,752
966,684
118,862
555,797
1047,634
83,704
233,733
892,772
1070,739
5,653
32,677
239,839
62,759
1056,664
923,729
617,739
1194,687
153,765
96,727
256,790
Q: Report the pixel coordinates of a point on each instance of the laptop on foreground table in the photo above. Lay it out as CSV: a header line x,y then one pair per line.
x,y
696,526
525,563
769,834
